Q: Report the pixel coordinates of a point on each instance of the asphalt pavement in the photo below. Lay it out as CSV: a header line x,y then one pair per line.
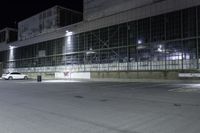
x,y
99,107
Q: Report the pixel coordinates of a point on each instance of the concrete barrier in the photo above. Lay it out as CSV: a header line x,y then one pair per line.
x,y
189,75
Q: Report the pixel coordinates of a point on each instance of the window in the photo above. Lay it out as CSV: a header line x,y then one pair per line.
x,y
174,55
144,57
198,11
157,28
158,56
104,42
189,22
123,34
132,30
16,73
88,40
144,30
113,55
75,43
189,54
104,56
123,55
95,40
173,25
113,36
81,41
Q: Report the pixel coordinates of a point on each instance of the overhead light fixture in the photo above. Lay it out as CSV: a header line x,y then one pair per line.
x,y
139,41
11,47
68,33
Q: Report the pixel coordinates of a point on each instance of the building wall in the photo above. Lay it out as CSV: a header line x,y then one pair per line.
x,y
122,17
8,35
47,21
42,22
2,36
124,42
165,42
94,9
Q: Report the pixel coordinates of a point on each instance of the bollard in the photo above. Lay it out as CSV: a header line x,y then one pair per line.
x,y
39,78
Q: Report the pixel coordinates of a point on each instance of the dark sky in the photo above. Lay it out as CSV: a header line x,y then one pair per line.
x,y
12,11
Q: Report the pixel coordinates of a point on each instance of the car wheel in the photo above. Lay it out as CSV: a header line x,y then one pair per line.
x,y
10,78
25,77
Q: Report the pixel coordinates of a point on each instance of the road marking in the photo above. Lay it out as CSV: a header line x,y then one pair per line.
x,y
50,81
150,86
186,90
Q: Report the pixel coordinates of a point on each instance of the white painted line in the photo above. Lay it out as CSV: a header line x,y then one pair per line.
x,y
60,81
186,90
50,81
150,86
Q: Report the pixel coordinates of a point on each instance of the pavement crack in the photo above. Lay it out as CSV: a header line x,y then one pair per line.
x,y
79,97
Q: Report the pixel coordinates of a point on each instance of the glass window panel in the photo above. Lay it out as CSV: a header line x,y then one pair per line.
x,y
113,36
144,30
189,49
174,55
133,54
132,30
144,53
198,14
114,55
123,55
173,25
157,28
76,43
189,22
104,42
95,40
144,57
81,42
123,34
189,54
88,40
104,56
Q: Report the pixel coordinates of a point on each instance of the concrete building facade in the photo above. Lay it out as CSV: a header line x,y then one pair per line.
x,y
116,39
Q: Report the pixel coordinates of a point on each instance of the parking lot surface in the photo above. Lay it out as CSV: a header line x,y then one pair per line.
x,y
99,107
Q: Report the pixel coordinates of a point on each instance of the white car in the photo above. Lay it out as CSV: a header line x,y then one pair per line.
x,y
14,75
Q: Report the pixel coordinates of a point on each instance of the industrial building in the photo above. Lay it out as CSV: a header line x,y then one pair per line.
x,y
111,39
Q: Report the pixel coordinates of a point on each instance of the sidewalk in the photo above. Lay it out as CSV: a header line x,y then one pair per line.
x,y
148,80
126,80
120,80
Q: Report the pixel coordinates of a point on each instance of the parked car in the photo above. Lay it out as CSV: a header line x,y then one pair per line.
x,y
14,75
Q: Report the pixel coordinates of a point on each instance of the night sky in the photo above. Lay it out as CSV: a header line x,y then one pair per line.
x,y
12,11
